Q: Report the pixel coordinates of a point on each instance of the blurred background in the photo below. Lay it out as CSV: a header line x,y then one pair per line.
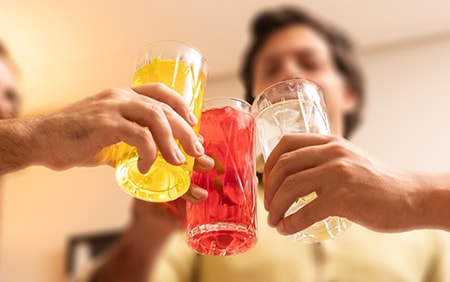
x,y
71,49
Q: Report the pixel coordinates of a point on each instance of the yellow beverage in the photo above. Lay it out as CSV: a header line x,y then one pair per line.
x,y
164,182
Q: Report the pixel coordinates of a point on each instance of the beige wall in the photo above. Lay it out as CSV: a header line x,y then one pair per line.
x,y
408,105
409,90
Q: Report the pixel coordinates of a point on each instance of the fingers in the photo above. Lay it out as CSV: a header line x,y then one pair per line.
x,y
166,95
290,163
292,142
295,186
135,135
196,194
166,124
303,218
166,115
203,163
184,134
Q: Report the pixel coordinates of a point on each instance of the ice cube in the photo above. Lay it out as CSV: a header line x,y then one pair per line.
x,y
289,121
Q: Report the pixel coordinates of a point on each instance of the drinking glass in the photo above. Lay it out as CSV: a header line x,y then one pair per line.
x,y
225,224
182,68
295,106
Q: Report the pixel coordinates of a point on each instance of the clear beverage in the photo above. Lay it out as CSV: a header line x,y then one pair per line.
x,y
225,224
295,106
164,182
288,117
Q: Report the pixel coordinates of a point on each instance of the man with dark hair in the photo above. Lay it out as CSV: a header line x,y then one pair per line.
x,y
341,48
347,180
286,43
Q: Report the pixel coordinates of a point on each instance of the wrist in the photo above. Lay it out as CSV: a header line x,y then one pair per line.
x,y
38,137
431,201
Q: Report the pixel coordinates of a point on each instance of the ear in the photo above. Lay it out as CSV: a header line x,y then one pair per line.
x,y
350,99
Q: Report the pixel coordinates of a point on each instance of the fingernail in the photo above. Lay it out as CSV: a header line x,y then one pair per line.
x,y
193,118
179,155
199,147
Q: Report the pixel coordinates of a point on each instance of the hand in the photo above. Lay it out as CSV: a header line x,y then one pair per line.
x,y
348,182
75,135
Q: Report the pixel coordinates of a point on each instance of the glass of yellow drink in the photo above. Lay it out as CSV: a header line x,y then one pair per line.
x,y
182,68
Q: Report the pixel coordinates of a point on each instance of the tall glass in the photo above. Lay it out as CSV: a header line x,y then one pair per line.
x,y
182,68
225,224
295,106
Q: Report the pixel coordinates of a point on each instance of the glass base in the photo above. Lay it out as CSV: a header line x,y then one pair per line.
x,y
323,230
160,184
221,239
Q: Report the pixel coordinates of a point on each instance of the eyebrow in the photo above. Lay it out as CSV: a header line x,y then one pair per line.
x,y
304,52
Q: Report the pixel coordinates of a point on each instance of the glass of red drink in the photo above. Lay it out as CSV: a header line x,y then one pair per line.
x,y
225,224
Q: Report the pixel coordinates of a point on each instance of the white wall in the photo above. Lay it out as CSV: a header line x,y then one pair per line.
x,y
405,124
408,105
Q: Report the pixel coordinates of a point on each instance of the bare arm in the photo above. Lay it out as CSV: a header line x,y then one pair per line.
x,y
350,183
17,145
134,256
74,136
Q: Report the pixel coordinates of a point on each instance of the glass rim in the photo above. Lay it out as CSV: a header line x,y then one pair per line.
x,y
204,61
245,105
298,79
255,104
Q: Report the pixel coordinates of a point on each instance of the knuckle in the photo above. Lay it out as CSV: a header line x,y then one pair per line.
x,y
155,109
343,168
110,92
290,181
285,161
159,86
105,120
166,108
142,133
286,139
337,149
333,138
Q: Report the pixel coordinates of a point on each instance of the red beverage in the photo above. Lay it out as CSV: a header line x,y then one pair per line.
x,y
225,224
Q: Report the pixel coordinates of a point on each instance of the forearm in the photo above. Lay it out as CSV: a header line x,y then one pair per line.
x,y
133,257
433,201
18,145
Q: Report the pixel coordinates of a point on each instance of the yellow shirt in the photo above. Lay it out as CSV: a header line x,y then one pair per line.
x,y
358,255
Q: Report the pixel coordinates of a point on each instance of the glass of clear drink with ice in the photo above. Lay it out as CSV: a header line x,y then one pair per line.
x,y
295,106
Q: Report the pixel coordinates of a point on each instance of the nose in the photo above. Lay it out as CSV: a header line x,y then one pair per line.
x,y
291,70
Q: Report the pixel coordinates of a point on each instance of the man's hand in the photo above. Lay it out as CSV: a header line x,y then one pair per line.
x,y
348,182
149,116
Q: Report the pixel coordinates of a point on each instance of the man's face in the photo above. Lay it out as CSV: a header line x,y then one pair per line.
x,y
298,51
9,100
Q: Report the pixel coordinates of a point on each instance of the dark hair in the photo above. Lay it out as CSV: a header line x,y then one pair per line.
x,y
344,57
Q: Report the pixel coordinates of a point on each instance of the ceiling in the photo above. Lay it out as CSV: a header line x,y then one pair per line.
x,y
70,49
